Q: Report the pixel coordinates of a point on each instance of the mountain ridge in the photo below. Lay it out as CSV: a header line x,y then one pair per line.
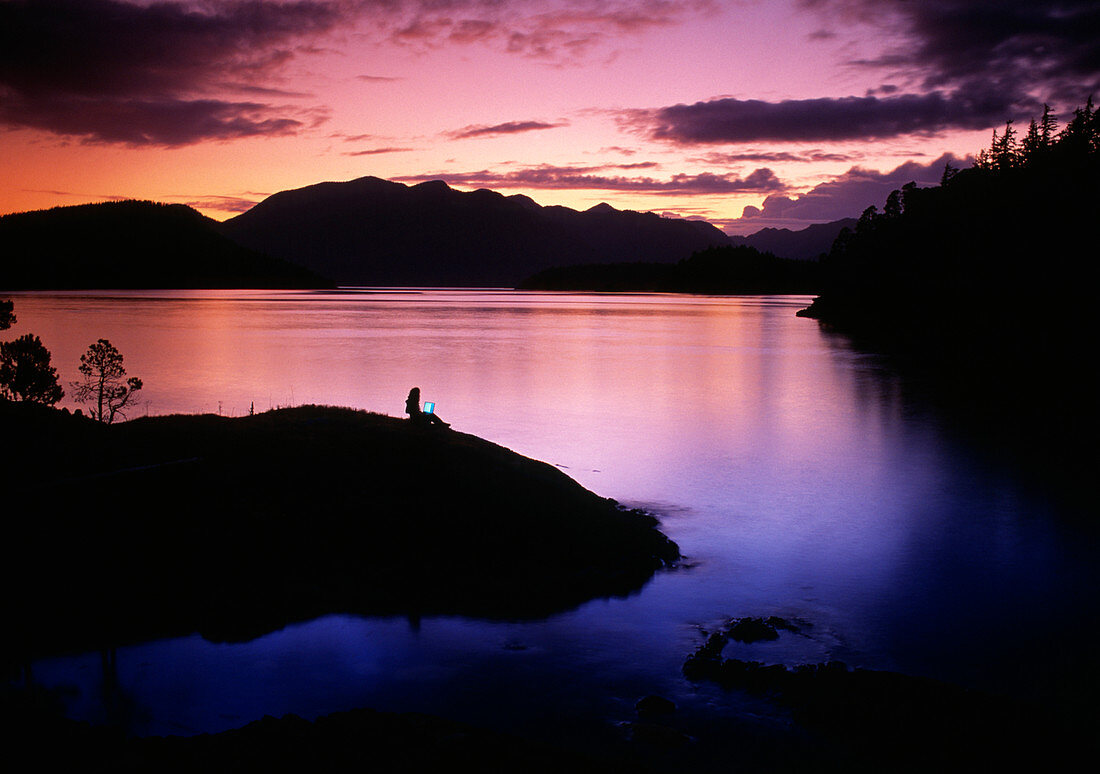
x,y
807,244
372,231
367,231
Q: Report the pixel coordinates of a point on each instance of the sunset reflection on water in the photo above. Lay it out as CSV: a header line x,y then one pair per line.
x,y
793,471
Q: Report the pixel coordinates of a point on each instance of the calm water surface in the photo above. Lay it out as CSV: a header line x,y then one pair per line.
x,y
793,472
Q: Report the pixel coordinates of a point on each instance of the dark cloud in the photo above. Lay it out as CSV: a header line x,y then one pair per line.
x,y
966,64
108,47
216,63
511,127
823,119
165,122
599,178
845,196
113,71
1024,49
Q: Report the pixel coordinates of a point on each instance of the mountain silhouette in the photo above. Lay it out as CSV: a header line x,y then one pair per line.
x,y
132,244
807,244
371,231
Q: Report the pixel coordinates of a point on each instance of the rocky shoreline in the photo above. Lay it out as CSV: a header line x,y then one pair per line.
x,y
874,720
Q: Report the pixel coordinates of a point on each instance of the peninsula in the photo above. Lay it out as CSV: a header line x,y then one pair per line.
x,y
234,527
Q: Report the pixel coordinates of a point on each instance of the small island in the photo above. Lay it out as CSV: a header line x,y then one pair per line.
x,y
234,527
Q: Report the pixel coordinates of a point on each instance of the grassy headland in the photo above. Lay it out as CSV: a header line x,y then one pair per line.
x,y
234,527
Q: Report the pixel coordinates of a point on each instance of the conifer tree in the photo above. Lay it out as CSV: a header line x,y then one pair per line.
x,y
1004,149
26,373
893,207
1082,133
867,220
1047,126
1033,144
103,387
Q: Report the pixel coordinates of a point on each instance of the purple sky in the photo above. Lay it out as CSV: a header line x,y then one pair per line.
x,y
749,114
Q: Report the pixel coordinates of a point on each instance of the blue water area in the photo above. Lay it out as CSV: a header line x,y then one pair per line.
x,y
800,477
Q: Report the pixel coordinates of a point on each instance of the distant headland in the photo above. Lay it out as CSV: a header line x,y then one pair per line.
x,y
133,244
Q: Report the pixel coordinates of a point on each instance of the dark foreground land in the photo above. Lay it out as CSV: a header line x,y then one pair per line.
x,y
235,527
359,740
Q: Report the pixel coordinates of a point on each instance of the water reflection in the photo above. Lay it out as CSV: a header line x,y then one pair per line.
x,y
799,476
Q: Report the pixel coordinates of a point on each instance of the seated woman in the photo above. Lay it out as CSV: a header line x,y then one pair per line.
x,y
412,408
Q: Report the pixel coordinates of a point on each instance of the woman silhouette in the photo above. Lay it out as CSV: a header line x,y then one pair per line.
x,y
412,408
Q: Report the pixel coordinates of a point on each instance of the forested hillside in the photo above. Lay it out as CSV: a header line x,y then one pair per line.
x,y
133,244
987,281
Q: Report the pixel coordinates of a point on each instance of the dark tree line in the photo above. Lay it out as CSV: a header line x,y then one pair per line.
x,y
986,280
1014,229
716,270
1042,143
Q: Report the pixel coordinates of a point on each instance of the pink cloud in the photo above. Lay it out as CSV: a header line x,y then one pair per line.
x,y
510,127
845,196
590,178
377,151
550,29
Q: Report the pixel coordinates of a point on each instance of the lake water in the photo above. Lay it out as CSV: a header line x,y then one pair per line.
x,y
796,474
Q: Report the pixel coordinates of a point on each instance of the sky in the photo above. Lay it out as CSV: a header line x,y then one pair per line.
x,y
747,113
